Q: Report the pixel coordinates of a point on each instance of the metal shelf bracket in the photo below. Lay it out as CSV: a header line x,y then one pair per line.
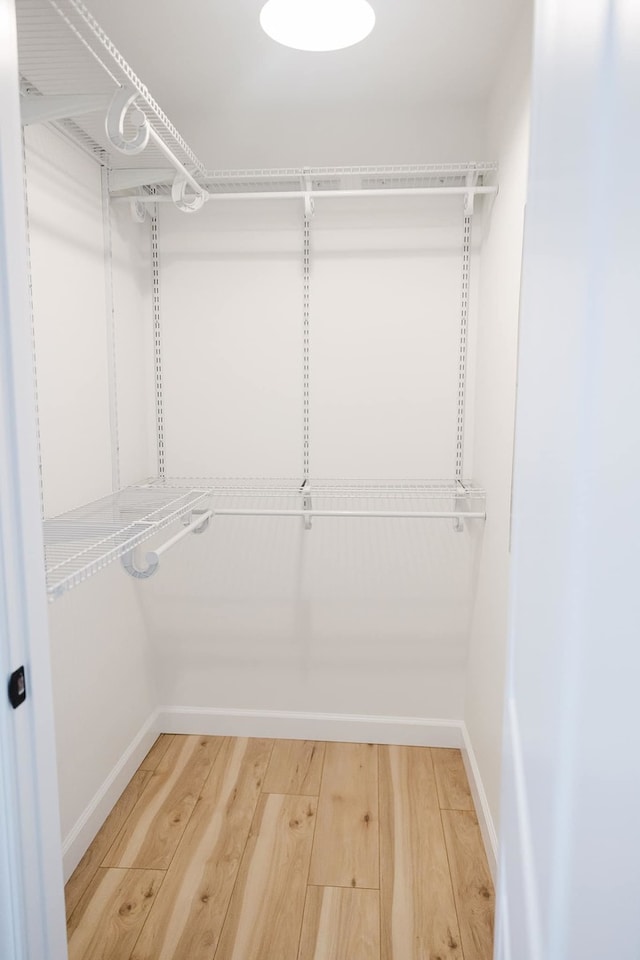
x,y
44,109
309,202
138,211
471,183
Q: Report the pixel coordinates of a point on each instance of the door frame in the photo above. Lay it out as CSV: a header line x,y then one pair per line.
x,y
32,917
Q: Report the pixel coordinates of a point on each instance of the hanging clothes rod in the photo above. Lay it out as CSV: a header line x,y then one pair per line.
x,y
171,157
315,194
392,514
152,558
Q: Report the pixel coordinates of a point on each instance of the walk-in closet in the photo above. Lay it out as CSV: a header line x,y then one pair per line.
x,y
272,316
275,400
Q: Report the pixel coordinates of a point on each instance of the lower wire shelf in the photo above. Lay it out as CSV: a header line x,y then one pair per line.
x,y
426,499
81,542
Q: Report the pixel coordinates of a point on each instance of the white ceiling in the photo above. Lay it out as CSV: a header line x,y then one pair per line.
x,y
211,67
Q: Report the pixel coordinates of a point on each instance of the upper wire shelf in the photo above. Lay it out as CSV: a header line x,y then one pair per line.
x,y
81,542
292,182
73,76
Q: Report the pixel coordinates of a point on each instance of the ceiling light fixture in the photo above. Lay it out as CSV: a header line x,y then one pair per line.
x,y
317,25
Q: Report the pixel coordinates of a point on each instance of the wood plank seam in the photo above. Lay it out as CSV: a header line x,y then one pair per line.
x,y
242,855
313,840
451,879
185,840
446,847
73,895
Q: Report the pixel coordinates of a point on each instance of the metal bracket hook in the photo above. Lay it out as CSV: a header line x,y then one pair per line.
x,y
186,201
309,203
134,570
469,198
138,211
309,207
123,103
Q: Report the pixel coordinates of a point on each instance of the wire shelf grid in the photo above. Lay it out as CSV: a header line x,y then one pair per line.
x,y
321,179
81,542
335,179
362,497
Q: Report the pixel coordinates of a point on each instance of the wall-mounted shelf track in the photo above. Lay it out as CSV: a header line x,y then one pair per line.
x,y
81,542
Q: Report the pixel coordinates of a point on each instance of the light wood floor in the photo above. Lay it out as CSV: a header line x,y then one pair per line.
x,y
235,849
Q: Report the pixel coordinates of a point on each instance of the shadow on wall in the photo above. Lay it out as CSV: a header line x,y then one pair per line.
x,y
367,616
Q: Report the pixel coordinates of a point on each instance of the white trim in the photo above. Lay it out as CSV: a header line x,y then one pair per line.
x,y
32,918
295,725
93,816
480,802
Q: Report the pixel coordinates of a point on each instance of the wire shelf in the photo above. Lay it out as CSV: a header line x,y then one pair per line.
x,y
295,180
80,543
334,496
62,50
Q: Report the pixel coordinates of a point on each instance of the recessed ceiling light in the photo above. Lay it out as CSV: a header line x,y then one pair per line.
x,y
317,25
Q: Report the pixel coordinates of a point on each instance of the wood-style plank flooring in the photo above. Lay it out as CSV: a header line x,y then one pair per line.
x,y
225,848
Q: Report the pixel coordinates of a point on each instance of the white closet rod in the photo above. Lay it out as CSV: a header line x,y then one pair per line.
x,y
153,556
197,526
408,514
173,160
315,194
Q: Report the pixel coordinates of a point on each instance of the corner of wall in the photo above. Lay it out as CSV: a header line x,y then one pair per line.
x,y
496,383
481,803
95,813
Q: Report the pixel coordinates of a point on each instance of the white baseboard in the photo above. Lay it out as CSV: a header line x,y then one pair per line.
x,y
487,826
93,816
293,725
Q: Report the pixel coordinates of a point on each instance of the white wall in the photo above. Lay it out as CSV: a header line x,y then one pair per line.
x,y
131,274
385,316
102,681
355,617
103,689
495,397
335,134
67,266
571,833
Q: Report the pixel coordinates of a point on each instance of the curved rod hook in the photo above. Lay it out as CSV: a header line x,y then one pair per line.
x,y
186,201
197,525
140,573
123,101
